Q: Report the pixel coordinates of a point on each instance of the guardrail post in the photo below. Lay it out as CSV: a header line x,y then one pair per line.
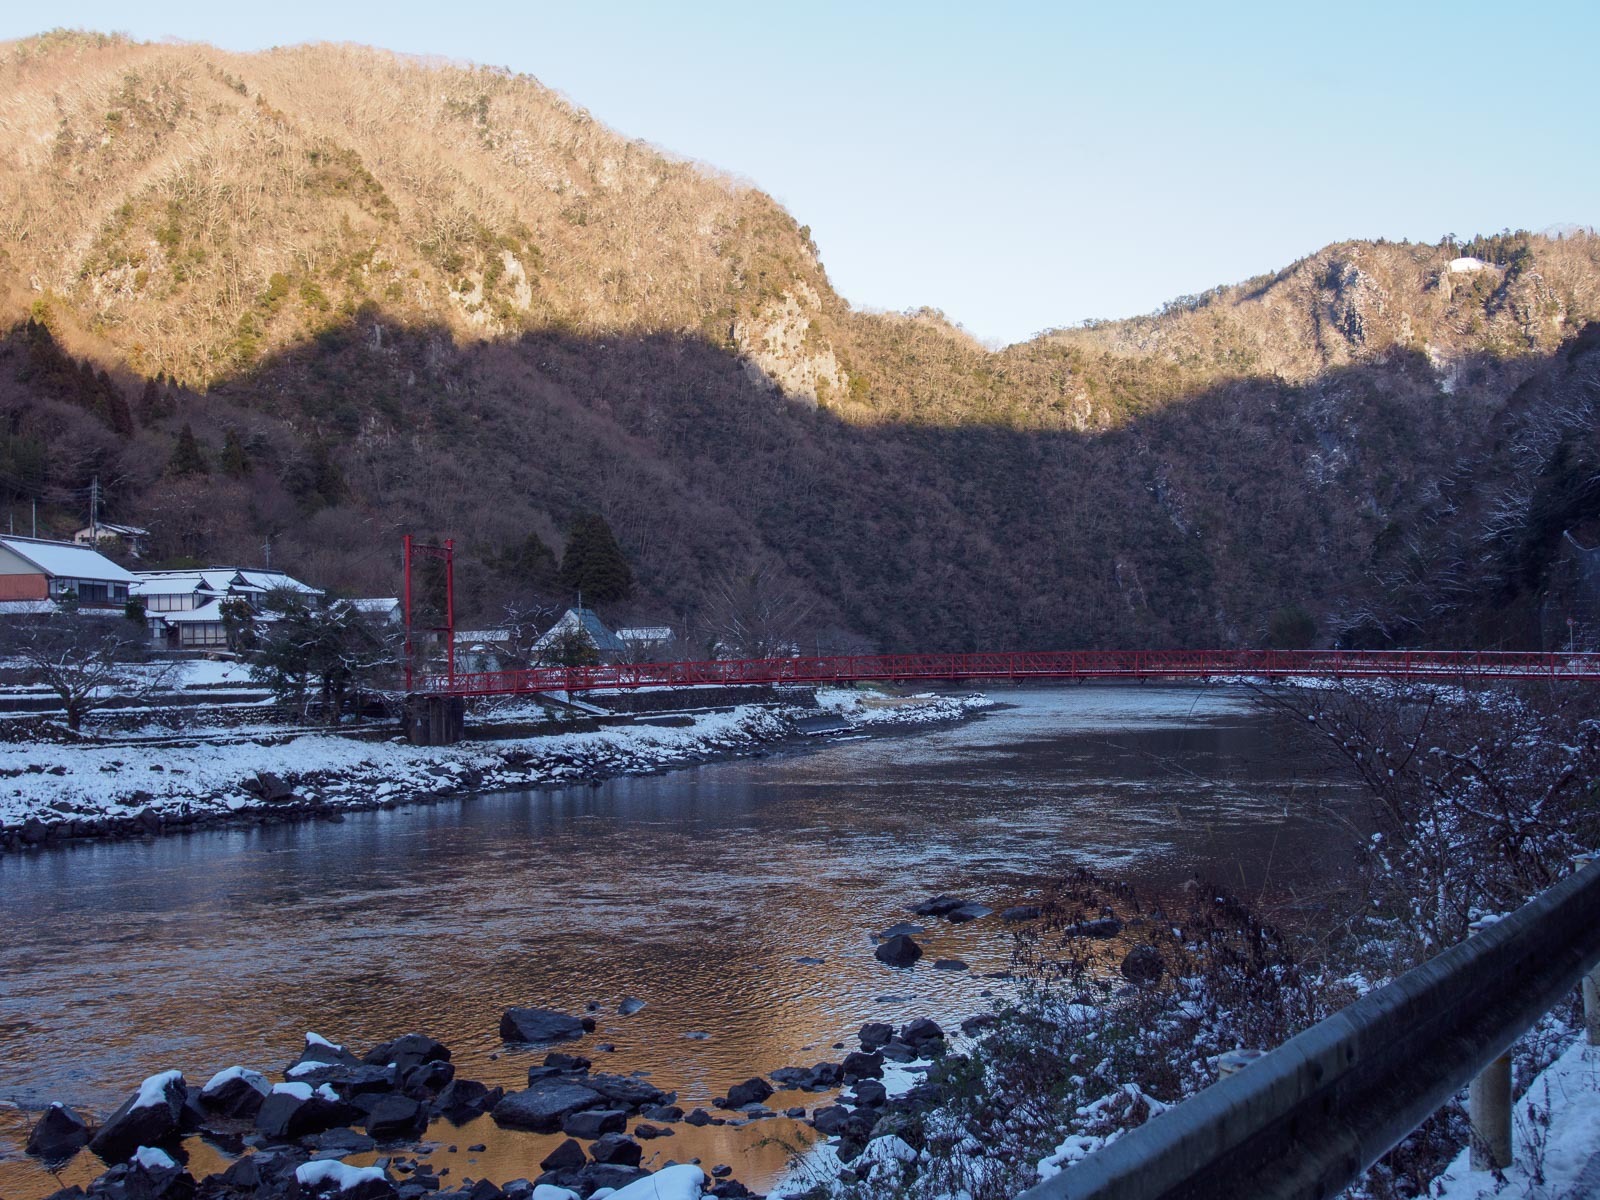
x,y
1489,1102
1489,1108
1591,982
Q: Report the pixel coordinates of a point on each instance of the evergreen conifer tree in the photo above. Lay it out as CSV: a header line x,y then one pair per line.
x,y
187,458
235,462
593,562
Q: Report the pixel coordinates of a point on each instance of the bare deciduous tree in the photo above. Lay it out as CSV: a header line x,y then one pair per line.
x,y
87,661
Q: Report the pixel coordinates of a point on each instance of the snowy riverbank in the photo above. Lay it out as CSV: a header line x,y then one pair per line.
x,y
50,792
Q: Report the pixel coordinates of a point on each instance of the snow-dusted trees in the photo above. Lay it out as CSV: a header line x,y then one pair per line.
x,y
755,614
320,657
1476,799
86,661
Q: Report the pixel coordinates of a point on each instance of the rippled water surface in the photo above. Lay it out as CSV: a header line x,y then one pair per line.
x,y
696,892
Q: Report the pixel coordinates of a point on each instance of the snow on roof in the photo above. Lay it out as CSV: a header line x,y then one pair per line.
x,y
211,611
467,636
374,604
169,583
224,579
63,560
586,621
646,633
275,581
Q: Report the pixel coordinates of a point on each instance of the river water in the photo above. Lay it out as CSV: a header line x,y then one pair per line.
x,y
698,892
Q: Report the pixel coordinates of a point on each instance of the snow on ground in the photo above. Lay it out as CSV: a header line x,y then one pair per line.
x,y
205,775
1555,1134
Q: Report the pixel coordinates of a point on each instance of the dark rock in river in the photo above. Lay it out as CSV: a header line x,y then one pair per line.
x,y
647,1132
624,1091
319,1050
832,1121
593,1122
920,1031
348,1081
568,1156
870,1093
617,1149
236,1094
567,1062
1021,912
698,1117
629,1006
397,1118
903,929
541,1025
147,1118
875,1034
151,1176
543,1106
464,1099
977,1024
1142,964
424,1079
862,1065
949,964
751,1091
898,951
968,912
661,1112
58,1133
342,1142
938,906
285,1115
408,1052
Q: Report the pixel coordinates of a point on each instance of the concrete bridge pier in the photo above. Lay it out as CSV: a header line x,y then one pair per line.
x,y
435,720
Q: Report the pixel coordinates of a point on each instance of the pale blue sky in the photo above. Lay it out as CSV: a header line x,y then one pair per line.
x,y
1024,165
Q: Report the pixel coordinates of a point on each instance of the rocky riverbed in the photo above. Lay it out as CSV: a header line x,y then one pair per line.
x,y
56,792
365,1127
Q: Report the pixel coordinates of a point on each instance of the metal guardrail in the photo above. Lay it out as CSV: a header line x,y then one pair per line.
x,y
1307,1119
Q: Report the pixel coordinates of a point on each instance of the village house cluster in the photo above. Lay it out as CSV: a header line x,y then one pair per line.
x,y
189,609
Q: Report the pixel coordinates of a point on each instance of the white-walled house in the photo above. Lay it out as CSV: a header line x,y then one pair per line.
x,y
184,608
38,569
97,535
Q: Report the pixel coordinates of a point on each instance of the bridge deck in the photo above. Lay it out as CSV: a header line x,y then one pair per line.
x,y
1053,665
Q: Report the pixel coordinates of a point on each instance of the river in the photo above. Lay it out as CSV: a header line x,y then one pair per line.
x,y
698,892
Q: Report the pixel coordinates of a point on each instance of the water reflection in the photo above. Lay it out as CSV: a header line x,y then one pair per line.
x,y
694,891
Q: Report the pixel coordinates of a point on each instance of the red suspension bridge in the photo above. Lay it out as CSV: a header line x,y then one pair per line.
x,y
1437,666
438,715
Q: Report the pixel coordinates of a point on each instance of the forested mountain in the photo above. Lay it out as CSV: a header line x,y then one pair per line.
x,y
387,295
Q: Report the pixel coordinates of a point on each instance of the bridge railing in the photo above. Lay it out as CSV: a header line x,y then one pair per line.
x,y
1022,665
1307,1119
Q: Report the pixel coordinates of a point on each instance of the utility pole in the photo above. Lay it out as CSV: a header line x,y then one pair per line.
x,y
36,516
266,549
94,512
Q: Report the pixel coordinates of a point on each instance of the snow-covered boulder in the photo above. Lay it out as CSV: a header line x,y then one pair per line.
x,y
147,1118
670,1183
293,1110
236,1093
326,1177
